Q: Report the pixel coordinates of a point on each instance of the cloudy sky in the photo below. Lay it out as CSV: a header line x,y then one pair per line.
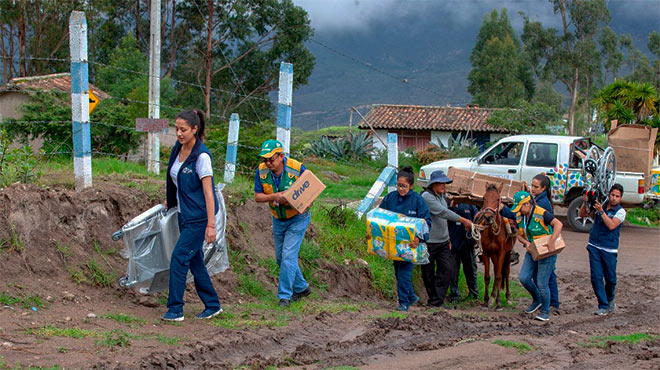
x,y
337,16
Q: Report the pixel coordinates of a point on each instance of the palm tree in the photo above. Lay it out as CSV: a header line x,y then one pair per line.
x,y
628,102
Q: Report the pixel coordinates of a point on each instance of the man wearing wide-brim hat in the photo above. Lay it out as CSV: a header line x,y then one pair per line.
x,y
438,272
274,176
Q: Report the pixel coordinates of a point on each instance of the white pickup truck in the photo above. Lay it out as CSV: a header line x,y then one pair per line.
x,y
521,157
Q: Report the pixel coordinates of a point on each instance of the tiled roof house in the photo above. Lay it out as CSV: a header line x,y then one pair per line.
x,y
417,126
18,90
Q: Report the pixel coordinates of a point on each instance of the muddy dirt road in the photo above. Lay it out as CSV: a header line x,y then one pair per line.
x,y
426,338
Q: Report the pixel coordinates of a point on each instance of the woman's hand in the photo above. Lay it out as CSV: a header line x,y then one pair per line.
x,y
209,234
414,243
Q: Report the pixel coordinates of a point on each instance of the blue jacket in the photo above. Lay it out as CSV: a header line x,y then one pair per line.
x,y
541,201
602,237
460,238
193,204
410,204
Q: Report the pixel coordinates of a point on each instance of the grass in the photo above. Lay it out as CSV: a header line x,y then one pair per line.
x,y
522,348
50,331
341,236
7,299
359,177
391,315
14,242
606,341
639,215
97,276
112,338
267,313
125,319
130,174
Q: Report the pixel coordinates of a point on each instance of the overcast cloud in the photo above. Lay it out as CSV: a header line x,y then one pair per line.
x,y
330,16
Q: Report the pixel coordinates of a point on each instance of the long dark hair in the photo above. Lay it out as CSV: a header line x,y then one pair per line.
x,y
407,173
545,183
194,118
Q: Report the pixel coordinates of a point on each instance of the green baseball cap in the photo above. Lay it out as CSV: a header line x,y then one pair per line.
x,y
519,199
270,147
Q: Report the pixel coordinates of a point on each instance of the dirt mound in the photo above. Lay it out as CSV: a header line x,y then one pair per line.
x,y
56,234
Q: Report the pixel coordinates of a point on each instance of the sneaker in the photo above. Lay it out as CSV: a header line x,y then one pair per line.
x,y
415,300
612,307
601,312
402,307
284,302
304,293
554,310
209,313
543,316
533,307
172,316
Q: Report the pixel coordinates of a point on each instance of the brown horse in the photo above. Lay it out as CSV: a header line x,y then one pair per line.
x,y
496,244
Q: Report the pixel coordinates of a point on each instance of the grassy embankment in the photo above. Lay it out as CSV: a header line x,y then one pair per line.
x,y
340,234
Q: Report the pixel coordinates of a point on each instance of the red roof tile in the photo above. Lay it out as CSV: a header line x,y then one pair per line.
x,y
417,117
57,81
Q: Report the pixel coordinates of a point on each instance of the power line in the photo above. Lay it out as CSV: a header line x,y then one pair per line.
x,y
368,65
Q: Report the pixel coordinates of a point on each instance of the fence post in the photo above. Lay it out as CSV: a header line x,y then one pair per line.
x,y
377,188
392,157
232,148
82,148
153,140
284,105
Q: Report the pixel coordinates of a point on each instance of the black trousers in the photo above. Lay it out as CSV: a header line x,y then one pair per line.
x,y
464,256
438,272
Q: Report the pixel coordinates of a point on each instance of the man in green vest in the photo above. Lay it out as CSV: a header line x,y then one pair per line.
x,y
276,174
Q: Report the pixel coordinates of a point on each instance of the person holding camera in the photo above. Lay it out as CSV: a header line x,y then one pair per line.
x,y
603,246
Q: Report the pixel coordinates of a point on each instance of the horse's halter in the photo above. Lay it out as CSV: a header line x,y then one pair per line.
x,y
491,220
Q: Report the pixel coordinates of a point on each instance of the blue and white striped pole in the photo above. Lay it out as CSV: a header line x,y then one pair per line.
x,y
392,157
284,105
232,148
377,188
82,148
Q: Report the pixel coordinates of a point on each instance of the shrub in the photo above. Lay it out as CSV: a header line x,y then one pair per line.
x,y
349,147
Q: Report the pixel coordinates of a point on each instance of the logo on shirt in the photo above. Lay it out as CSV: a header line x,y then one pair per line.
x,y
412,212
186,170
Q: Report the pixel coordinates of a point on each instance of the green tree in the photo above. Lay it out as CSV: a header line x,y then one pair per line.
x,y
546,93
236,47
527,118
500,75
654,47
567,54
613,58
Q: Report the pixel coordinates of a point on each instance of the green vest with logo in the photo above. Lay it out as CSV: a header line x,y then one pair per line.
x,y
290,174
536,227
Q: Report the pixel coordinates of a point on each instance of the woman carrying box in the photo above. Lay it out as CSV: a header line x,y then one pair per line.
x,y
407,202
535,222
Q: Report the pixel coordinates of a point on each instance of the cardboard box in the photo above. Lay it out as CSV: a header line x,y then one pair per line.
x,y
468,183
304,191
539,249
633,146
